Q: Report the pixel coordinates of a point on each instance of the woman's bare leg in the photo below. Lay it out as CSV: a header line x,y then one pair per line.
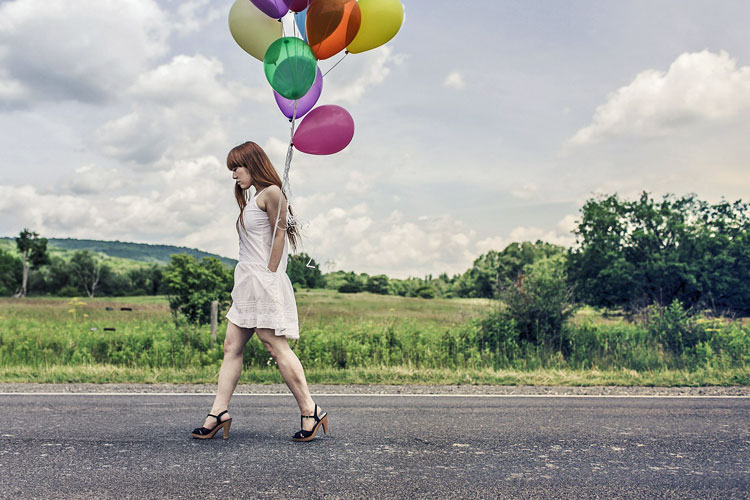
x,y
231,367
291,371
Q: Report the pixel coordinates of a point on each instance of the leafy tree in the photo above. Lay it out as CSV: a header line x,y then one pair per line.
x,y
86,271
193,285
425,292
494,270
398,287
33,251
516,256
634,253
352,284
145,280
300,273
377,284
334,280
481,279
54,277
113,283
11,273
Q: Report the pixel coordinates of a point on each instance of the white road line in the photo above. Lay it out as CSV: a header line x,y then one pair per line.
x,y
623,396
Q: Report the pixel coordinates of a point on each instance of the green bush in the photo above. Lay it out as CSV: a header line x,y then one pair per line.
x,y
69,291
498,335
674,327
540,301
351,284
350,287
425,292
11,273
194,285
377,284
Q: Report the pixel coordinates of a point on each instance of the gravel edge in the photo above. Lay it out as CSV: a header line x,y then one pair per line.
x,y
520,390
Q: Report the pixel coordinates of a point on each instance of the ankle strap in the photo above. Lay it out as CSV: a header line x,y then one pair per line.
x,y
314,415
218,417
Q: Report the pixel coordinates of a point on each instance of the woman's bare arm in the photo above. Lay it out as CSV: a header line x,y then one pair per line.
x,y
271,196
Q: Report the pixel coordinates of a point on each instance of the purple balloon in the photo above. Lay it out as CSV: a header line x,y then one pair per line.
x,y
304,103
325,130
273,8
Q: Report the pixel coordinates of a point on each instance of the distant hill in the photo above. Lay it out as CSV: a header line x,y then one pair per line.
x,y
142,252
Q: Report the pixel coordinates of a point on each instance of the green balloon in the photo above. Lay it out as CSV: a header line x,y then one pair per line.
x,y
290,67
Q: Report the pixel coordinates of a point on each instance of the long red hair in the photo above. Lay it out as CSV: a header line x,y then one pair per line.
x,y
252,157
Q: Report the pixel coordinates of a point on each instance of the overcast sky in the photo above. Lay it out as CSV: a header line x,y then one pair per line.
x,y
479,124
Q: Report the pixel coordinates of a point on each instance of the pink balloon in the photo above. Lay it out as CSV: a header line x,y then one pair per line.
x,y
273,8
299,5
325,130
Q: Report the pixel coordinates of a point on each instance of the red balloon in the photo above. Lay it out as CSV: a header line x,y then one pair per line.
x,y
331,25
299,5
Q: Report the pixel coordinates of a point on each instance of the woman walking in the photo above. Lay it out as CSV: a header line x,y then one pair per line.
x,y
262,298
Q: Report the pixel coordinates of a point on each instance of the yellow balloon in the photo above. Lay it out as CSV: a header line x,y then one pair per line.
x,y
381,20
252,29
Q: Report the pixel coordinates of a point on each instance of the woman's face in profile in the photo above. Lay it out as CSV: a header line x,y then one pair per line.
x,y
242,177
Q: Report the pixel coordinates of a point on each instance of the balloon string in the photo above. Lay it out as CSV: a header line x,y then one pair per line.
x,y
330,69
285,187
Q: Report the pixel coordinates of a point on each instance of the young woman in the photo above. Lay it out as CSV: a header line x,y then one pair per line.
x,y
262,298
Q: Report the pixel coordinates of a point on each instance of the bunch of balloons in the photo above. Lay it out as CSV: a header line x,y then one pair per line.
x,y
326,27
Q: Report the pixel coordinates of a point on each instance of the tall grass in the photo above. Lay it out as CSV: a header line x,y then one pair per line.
x,y
354,337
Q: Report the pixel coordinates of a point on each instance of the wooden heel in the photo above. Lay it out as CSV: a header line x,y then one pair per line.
x,y
205,433
303,435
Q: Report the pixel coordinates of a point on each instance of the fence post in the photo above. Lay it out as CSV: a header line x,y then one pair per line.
x,y
214,318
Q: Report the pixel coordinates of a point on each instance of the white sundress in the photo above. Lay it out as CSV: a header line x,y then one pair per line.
x,y
261,298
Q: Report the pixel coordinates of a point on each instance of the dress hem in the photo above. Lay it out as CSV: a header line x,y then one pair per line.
x,y
254,323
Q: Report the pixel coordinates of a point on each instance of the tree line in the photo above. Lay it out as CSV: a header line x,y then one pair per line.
x,y
81,272
629,254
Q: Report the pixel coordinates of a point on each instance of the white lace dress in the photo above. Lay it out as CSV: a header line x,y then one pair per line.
x,y
262,298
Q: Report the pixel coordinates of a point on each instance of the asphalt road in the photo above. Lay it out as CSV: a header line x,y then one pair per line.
x,y
138,446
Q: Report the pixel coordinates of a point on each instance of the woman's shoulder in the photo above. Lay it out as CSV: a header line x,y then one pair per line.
x,y
271,189
269,193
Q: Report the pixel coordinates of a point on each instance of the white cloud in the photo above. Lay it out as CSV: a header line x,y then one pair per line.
x,y
403,246
359,183
137,137
181,109
371,68
560,235
82,51
192,15
92,179
697,87
188,81
454,80
191,204
525,191
276,148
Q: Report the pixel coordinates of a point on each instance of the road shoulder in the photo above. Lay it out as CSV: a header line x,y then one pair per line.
x,y
711,391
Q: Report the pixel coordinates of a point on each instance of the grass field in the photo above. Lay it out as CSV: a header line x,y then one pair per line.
x,y
345,338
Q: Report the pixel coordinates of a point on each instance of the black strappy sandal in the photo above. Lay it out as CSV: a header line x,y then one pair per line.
x,y
203,433
303,435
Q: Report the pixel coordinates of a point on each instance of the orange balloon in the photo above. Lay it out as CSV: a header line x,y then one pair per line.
x,y
331,25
